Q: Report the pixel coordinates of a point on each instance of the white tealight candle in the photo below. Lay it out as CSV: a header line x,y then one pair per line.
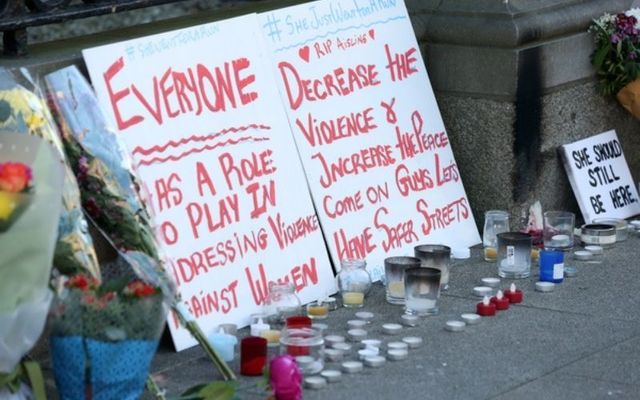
x,y
397,354
366,315
352,367
397,346
491,282
356,323
331,375
560,240
455,326
470,319
482,291
413,341
315,382
391,329
374,361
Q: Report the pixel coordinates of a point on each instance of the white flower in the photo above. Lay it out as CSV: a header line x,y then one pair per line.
x,y
634,12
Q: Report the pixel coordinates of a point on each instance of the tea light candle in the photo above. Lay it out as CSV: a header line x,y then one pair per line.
x,y
501,302
410,320
344,347
490,282
545,286
356,335
258,327
470,319
365,315
320,326
333,354
570,272
370,351
560,241
352,367
333,339
371,343
482,291
356,323
374,361
331,375
413,341
397,346
353,299
397,354
315,382
513,294
485,308
272,336
391,329
455,326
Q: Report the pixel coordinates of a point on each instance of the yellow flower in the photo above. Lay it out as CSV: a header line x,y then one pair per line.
x,y
8,204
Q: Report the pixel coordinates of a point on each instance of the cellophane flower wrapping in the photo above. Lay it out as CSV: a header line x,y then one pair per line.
x,y
26,251
107,186
23,110
104,336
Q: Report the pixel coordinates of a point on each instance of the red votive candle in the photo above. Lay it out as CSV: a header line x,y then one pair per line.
x,y
299,321
253,355
514,295
501,302
485,308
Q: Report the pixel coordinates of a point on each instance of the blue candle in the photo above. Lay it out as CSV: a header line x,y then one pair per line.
x,y
224,344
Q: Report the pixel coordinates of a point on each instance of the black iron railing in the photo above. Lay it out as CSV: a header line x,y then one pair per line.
x,y
18,15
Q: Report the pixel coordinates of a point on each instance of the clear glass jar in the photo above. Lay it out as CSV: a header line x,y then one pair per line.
x,y
354,282
306,345
281,303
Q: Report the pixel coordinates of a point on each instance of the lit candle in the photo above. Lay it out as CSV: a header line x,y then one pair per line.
x,y
353,299
501,302
396,289
486,308
298,321
513,294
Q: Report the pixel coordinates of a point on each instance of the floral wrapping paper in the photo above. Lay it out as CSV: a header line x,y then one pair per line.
x,y
23,111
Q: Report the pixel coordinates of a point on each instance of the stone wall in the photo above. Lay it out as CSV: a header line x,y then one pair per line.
x,y
512,79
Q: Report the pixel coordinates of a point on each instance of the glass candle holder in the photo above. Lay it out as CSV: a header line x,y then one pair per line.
x,y
558,230
421,291
495,221
281,303
253,355
306,345
354,282
436,256
318,310
514,255
394,268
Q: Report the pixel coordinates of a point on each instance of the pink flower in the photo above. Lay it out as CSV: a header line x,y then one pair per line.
x,y
285,378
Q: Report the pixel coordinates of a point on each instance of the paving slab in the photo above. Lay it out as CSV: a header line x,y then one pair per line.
x,y
615,364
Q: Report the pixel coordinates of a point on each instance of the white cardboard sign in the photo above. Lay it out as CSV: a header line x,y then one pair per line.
x,y
200,115
368,129
600,177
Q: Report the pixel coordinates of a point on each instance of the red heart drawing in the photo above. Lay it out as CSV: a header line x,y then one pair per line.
x,y
372,33
304,53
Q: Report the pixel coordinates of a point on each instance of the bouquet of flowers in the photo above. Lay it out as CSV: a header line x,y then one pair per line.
x,y
107,187
617,57
27,246
23,111
110,193
104,336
